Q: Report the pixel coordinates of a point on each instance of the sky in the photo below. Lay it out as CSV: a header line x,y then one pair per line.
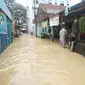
x,y
26,2
73,2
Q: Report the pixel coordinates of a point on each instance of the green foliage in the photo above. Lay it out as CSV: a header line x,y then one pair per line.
x,y
82,25
18,11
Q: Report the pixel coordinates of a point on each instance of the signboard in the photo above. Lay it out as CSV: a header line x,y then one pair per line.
x,y
67,10
44,24
54,21
54,11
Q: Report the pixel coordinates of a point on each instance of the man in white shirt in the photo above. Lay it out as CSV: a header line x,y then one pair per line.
x,y
63,34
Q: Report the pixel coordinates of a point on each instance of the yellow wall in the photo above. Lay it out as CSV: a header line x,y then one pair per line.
x,y
2,13
3,23
13,26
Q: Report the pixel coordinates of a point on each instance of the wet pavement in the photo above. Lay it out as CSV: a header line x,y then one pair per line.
x,y
34,61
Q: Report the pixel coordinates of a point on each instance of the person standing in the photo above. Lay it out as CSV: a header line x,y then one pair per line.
x,y
32,31
63,35
52,33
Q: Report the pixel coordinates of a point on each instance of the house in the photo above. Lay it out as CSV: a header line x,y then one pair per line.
x,y
74,18
74,14
45,11
5,26
33,9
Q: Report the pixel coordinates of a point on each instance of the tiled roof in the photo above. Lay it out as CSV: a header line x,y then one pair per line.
x,y
50,6
43,17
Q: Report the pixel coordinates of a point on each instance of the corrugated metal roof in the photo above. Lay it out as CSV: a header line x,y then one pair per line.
x,y
42,17
5,9
50,6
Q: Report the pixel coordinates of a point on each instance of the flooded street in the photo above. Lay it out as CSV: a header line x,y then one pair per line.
x,y
34,61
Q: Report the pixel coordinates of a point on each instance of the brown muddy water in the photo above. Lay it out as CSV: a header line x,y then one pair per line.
x,y
34,61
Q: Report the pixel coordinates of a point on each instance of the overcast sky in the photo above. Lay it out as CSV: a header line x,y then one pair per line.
x,y
25,2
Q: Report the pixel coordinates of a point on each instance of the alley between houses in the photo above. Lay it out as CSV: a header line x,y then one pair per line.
x,y
34,61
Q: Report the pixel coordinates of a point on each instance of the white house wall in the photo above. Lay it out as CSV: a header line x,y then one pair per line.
x,y
54,1
53,11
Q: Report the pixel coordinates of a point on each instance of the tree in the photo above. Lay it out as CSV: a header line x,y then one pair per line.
x,y
18,11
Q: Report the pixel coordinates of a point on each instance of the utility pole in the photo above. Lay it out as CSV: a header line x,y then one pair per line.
x,y
27,19
35,17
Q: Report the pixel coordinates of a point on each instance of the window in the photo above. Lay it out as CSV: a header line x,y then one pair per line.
x,y
55,1
62,3
36,1
67,4
49,1
83,0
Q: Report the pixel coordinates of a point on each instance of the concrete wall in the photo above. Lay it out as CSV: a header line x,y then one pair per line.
x,y
30,15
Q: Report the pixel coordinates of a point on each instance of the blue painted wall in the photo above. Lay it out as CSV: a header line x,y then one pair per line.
x,y
4,8
3,23
5,26
39,29
9,31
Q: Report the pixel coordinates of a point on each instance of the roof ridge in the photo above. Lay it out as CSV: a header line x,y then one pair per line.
x,y
52,5
43,8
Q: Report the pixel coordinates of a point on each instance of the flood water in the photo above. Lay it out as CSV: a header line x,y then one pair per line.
x,y
34,61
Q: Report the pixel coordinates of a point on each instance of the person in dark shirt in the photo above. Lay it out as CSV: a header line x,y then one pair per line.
x,y
72,41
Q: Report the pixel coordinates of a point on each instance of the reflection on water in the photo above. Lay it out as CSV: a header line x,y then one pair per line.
x,y
32,61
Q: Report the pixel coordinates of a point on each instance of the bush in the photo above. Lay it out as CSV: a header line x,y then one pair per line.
x,y
82,25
